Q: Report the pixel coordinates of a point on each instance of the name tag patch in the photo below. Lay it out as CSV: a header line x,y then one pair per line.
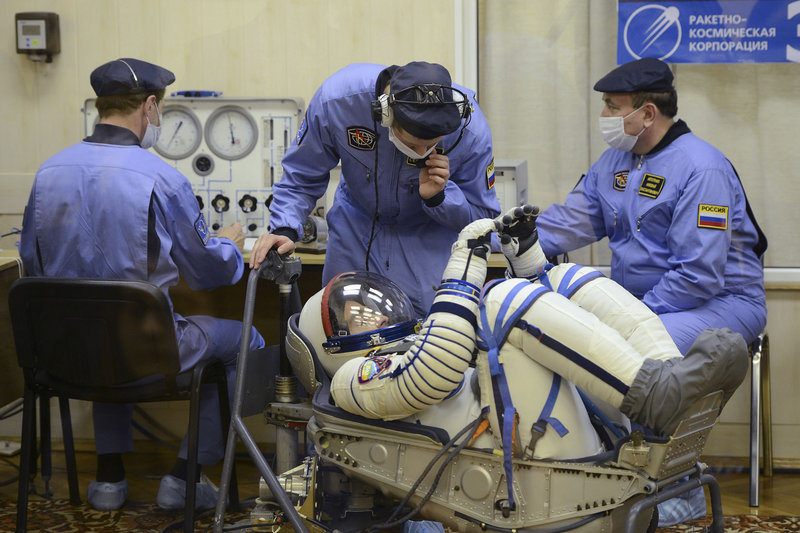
x,y
372,368
490,175
651,185
620,180
361,138
712,216
201,228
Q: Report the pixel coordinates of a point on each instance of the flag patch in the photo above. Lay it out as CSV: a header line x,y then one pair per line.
x,y
712,216
372,368
490,175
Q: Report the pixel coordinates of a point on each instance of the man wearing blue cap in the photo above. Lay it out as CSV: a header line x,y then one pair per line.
x,y
108,208
682,235
417,166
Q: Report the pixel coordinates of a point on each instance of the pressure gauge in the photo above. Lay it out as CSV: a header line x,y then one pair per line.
x,y
181,132
231,133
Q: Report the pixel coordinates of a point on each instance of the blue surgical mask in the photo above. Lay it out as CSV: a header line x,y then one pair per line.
x,y
613,131
407,150
152,132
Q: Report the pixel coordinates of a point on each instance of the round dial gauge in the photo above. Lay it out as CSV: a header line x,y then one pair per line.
x,y
181,132
231,132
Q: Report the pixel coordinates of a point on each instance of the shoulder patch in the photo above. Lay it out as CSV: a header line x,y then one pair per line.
x,y
712,216
302,129
651,185
361,138
372,368
490,175
201,228
620,180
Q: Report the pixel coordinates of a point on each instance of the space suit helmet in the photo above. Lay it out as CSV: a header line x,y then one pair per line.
x,y
357,313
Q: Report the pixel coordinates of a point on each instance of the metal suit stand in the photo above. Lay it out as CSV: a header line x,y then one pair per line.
x,y
284,271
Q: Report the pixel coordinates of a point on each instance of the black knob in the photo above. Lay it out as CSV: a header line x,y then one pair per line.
x,y
215,226
248,203
200,201
252,227
221,203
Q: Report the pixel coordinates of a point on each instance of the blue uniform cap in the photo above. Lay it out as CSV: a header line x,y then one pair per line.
x,y
129,76
421,106
646,74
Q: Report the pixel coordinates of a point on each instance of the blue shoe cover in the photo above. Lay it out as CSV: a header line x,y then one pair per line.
x,y
423,526
688,506
105,496
172,494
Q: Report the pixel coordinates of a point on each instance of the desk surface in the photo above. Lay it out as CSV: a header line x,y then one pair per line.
x,y
775,278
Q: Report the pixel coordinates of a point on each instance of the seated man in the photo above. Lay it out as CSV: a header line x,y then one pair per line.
x,y
564,321
106,207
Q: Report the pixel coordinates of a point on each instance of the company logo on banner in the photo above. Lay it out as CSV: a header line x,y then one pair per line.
x,y
710,31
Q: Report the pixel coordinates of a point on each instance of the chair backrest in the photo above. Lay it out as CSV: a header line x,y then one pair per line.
x,y
93,332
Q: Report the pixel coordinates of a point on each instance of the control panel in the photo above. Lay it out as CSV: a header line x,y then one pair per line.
x,y
230,149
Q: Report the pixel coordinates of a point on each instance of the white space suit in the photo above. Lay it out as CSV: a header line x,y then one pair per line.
x,y
536,343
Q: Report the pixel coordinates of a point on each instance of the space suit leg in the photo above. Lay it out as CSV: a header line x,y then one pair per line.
x,y
577,345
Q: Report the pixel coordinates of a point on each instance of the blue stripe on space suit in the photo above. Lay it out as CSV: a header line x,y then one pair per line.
x,y
692,275
113,210
412,240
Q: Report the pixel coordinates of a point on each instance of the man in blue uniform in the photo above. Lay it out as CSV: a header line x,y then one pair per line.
x,y
682,235
417,166
108,208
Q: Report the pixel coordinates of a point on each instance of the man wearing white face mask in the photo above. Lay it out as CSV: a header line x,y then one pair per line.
x,y
108,208
417,166
682,235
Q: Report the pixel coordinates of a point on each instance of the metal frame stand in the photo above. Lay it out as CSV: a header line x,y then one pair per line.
x,y
283,271
695,480
760,414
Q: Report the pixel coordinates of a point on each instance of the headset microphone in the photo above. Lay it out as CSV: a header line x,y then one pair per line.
x,y
382,111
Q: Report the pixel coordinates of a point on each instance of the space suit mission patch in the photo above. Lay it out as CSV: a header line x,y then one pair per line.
x,y
201,228
620,180
361,138
651,185
490,175
301,131
372,368
712,216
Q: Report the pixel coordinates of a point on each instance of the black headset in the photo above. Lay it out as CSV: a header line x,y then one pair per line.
x,y
433,93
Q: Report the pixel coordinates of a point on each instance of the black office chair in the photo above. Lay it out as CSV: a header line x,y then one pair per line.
x,y
107,341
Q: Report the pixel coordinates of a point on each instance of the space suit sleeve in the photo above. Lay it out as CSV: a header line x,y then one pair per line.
x,y
306,170
469,194
397,386
203,262
698,251
575,223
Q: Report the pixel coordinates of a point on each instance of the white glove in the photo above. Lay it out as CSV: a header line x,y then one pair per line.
x,y
520,241
470,253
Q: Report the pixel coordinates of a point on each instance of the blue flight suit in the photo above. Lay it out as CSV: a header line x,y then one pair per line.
x,y
681,233
106,208
379,185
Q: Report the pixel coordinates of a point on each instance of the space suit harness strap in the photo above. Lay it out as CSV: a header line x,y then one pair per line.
x,y
491,339
566,287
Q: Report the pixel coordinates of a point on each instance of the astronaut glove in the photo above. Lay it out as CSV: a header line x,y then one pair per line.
x,y
470,253
520,241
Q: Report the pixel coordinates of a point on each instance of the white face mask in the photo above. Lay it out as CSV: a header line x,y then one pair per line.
x,y
406,150
152,133
613,131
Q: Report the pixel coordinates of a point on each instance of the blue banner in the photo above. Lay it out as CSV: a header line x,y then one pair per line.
x,y
710,31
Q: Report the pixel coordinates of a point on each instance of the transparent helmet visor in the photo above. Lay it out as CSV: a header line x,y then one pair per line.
x,y
364,309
